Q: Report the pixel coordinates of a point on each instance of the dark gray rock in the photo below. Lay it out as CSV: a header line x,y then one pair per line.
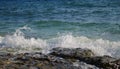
x,y
102,61
87,56
117,62
72,53
59,58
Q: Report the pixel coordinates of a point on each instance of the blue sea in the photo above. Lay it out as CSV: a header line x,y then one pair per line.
x,y
34,25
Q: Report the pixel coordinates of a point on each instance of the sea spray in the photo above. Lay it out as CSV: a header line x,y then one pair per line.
x,y
98,46
20,44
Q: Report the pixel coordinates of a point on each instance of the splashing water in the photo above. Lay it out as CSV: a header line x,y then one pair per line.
x,y
18,31
17,43
98,46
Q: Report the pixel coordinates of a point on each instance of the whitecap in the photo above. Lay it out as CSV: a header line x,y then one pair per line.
x,y
19,43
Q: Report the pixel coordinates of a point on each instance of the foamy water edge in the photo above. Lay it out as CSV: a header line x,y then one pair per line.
x,y
20,44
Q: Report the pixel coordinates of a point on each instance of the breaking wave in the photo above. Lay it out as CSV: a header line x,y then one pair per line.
x,y
18,43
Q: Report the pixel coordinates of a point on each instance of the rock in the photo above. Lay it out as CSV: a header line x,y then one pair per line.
x,y
63,52
24,67
72,53
83,65
83,53
102,61
87,56
41,57
21,57
5,55
1,63
33,67
117,62
59,58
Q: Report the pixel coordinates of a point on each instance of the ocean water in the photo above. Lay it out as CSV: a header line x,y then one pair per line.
x,y
34,25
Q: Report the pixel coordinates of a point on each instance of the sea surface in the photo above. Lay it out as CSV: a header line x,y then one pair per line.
x,y
34,25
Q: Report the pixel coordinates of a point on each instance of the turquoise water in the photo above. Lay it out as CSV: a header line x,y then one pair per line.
x,y
46,24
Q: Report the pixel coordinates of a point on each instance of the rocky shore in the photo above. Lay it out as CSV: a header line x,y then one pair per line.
x,y
58,58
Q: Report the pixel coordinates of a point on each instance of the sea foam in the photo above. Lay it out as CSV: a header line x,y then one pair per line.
x,y
19,43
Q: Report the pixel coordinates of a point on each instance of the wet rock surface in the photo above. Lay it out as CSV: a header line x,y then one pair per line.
x,y
72,53
59,58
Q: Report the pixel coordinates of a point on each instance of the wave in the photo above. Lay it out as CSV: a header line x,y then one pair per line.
x,y
18,43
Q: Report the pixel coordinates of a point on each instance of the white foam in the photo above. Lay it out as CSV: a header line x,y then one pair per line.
x,y
22,44
1,38
18,41
98,46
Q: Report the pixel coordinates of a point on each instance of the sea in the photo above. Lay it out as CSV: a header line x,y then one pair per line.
x,y
40,25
